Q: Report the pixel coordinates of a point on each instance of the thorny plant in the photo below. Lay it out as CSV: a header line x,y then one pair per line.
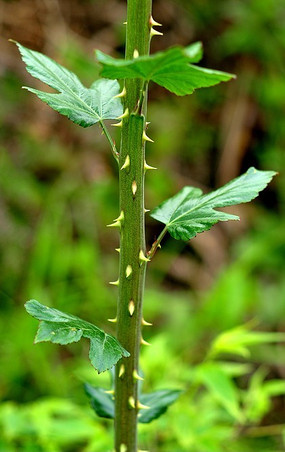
x,y
184,215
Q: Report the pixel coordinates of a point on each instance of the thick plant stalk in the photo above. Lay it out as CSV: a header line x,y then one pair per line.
x,y
132,230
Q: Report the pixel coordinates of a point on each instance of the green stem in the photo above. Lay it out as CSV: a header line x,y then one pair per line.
x,y
156,244
111,141
132,241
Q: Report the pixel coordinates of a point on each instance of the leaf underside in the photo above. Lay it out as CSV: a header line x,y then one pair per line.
x,y
157,402
190,212
171,69
81,105
61,328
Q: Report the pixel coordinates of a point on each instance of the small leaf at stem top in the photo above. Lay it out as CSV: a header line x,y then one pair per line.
x,y
61,328
190,212
171,69
81,105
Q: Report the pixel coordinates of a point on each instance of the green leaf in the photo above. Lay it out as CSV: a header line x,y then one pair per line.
x,y
171,69
190,212
61,328
101,402
158,402
221,386
237,341
81,105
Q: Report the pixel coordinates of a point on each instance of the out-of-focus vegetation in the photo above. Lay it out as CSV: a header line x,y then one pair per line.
x,y
58,190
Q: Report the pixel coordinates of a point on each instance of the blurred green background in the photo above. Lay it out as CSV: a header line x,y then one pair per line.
x,y
58,190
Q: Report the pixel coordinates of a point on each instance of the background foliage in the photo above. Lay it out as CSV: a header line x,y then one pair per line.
x,y
58,190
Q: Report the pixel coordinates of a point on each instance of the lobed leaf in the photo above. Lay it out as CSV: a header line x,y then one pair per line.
x,y
62,328
190,212
171,69
81,105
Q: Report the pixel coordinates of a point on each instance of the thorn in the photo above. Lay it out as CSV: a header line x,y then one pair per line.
x,y
143,450
132,402
121,94
131,307
140,406
145,323
129,271
146,210
118,250
127,163
115,283
142,257
118,124
154,32
124,115
137,376
159,245
134,188
136,53
146,138
143,342
114,320
148,167
121,371
147,123
153,23
110,392
123,448
120,217
125,23
116,224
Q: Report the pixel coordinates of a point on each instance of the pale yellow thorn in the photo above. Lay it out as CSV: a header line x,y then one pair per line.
x,y
121,94
143,450
131,307
146,210
134,188
137,376
142,257
148,167
123,448
125,23
153,23
121,371
132,402
147,123
120,217
118,250
146,138
124,115
110,392
136,53
114,320
115,283
129,271
116,224
126,163
140,406
154,32
145,323
119,124
143,342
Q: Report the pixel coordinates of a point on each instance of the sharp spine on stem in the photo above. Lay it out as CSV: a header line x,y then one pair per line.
x,y
145,323
154,32
136,54
124,115
118,124
134,188
137,376
146,138
142,257
140,406
129,271
114,320
131,307
132,402
121,94
115,283
126,163
153,23
148,167
143,342
121,371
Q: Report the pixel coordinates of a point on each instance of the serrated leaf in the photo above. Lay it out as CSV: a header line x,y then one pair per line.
x,y
171,69
81,105
158,402
221,386
101,402
190,212
62,328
